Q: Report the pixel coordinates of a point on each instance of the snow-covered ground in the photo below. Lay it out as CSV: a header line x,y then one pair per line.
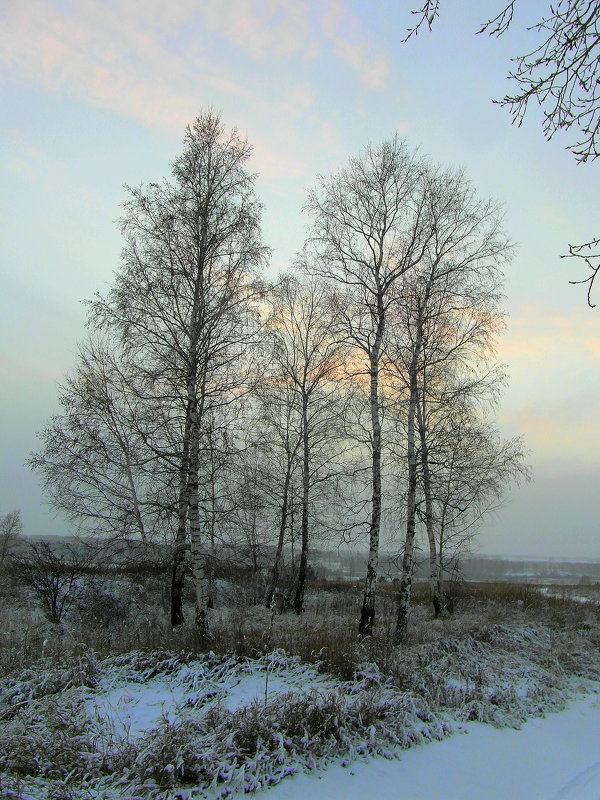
x,y
592,597
131,705
556,757
161,726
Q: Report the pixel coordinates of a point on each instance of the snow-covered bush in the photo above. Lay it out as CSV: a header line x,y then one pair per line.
x,y
19,691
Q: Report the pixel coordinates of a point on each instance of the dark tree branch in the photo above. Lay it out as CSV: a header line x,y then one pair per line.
x,y
587,253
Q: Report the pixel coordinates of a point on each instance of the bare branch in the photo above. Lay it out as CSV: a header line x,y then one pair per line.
x,y
590,255
426,15
501,22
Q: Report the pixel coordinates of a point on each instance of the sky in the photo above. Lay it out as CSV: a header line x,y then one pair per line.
x,y
96,95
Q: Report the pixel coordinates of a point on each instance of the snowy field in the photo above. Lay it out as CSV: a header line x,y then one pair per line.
x,y
553,758
160,726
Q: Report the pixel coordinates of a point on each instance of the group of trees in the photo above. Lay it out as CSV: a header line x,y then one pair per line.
x,y
217,412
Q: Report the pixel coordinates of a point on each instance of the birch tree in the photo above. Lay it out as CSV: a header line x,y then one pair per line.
x,y
11,533
370,227
472,468
306,360
182,304
559,75
278,436
94,461
449,317
256,502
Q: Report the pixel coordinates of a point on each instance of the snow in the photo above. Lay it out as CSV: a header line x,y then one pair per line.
x,y
132,707
216,726
550,758
548,592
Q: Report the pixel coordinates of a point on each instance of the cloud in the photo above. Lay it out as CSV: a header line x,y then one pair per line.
x,y
332,17
285,28
593,345
331,140
372,70
350,45
534,332
265,29
161,67
31,369
553,396
297,101
157,65
110,55
565,433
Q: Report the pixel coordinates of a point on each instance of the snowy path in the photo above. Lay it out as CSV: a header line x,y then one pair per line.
x,y
553,758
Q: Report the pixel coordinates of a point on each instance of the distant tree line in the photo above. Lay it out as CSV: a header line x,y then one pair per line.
x,y
218,412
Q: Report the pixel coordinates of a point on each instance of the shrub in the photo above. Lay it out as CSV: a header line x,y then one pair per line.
x,y
55,578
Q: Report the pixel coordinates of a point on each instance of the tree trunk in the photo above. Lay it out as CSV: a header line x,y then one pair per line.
x,y
404,592
178,566
441,550
367,614
292,529
437,597
136,503
178,578
201,582
270,597
302,570
254,554
212,529
200,565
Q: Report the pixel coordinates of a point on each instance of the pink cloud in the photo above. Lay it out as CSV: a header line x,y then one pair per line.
x,y
554,428
332,15
94,54
53,52
148,67
98,43
298,100
593,346
534,332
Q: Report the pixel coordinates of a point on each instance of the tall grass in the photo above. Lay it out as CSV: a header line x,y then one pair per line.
x,y
116,615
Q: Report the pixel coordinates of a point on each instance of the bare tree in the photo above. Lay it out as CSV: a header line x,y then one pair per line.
x,y
54,575
369,229
473,467
182,304
278,437
589,253
95,461
256,490
448,317
560,73
306,359
11,533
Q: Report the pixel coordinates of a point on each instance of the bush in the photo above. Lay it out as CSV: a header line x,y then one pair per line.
x,y
54,577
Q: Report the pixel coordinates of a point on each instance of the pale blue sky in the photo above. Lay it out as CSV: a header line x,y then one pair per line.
x,y
95,95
